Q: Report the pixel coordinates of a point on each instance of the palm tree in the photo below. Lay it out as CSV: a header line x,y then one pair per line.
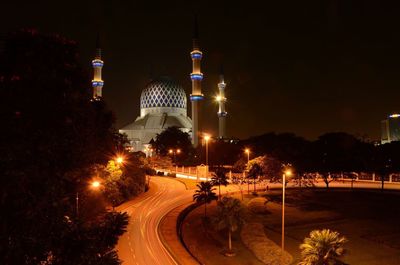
x,y
254,172
219,178
230,217
322,247
205,194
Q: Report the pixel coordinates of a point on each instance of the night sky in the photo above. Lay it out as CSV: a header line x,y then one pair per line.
x,y
306,67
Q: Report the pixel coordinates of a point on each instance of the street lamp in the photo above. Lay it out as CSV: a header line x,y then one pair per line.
x,y
206,138
286,173
174,152
247,151
119,159
94,185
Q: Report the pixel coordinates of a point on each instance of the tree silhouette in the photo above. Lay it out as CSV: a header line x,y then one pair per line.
x,y
54,136
219,178
255,172
174,138
229,217
204,194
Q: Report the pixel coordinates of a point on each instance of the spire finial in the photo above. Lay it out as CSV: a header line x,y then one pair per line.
x,y
98,47
98,41
196,28
195,33
221,73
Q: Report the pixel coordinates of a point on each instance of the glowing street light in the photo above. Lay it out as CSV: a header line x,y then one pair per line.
x,y
95,184
207,138
119,160
286,173
174,152
247,151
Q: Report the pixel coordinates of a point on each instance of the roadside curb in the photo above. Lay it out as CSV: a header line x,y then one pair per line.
x,y
169,231
186,187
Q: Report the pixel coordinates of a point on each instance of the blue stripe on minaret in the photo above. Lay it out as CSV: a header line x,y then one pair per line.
x,y
196,76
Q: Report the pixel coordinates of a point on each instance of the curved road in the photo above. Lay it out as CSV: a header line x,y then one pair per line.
x,y
141,244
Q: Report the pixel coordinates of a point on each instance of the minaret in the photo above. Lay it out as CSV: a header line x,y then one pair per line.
x,y
196,77
221,110
97,63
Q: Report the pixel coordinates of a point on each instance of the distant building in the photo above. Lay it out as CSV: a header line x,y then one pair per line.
x,y
391,129
163,104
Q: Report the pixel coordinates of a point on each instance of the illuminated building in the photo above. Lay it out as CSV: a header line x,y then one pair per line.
x,y
196,76
163,104
97,64
221,110
391,129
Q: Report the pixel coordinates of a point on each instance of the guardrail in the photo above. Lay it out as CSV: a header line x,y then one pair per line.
x,y
192,173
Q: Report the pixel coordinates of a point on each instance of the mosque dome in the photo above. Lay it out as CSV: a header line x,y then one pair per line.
x,y
163,94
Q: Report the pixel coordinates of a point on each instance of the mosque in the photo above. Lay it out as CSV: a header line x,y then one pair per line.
x,y
163,103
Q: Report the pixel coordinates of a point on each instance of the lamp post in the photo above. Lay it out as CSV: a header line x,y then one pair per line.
x,y
93,185
206,138
77,204
288,173
174,152
247,151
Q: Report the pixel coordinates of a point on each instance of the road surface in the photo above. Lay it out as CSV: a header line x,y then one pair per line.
x,y
141,244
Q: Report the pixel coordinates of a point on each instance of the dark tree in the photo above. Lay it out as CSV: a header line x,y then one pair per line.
x,y
255,172
51,136
285,147
224,153
205,194
172,138
219,178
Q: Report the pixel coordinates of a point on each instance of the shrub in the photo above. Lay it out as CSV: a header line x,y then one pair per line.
x,y
171,175
264,249
150,171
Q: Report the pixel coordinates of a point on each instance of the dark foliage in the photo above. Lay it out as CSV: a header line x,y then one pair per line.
x,y
51,136
331,154
172,138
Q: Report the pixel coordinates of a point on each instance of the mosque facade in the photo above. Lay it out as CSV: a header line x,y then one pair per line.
x,y
163,104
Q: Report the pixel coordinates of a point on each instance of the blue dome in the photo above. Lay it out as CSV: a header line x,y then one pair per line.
x,y
163,92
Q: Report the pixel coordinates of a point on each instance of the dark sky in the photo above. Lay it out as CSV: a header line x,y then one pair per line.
x,y
306,67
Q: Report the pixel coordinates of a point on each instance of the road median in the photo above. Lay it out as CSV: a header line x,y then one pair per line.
x,y
169,234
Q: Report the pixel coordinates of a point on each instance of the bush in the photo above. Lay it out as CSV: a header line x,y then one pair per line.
x,y
264,249
150,171
171,175
258,205
160,173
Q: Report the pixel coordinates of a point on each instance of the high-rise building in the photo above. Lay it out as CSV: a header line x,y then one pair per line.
x,y
221,110
97,64
196,76
391,129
